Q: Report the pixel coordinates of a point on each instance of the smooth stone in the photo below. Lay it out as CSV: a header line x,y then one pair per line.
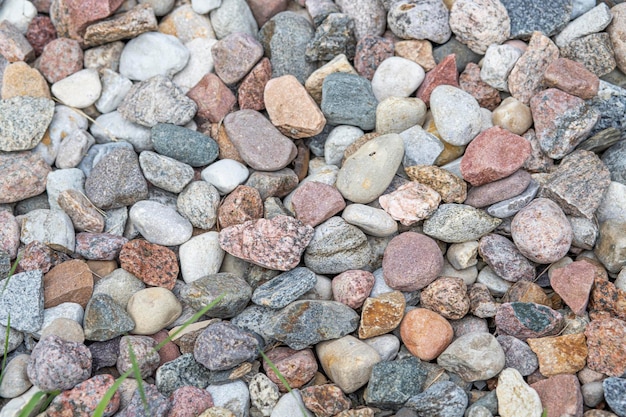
x,y
165,172
450,223
593,21
120,285
153,309
348,99
15,381
420,147
528,320
426,20
183,144
61,180
518,355
200,63
396,77
198,203
513,205
425,333
80,89
233,16
613,203
515,397
222,346
496,285
513,115
225,175
143,57
114,89
200,256
339,139
51,226
73,149
505,259
474,357
160,224
497,65
113,126
372,221
447,104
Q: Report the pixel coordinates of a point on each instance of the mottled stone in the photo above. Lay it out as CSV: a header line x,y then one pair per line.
x,y
315,81
370,52
473,356
446,296
138,20
518,355
447,104
573,284
441,398
393,383
451,223
60,58
144,354
22,301
189,401
222,346
242,204
333,36
235,292
614,389
410,203
605,342
84,398
425,333
285,288
548,18
515,397
83,214
23,122
297,366
157,404
58,364
352,287
479,24
505,258
182,371
381,314
13,45
69,281
526,320
153,264
165,172
212,97
99,246
235,55
27,178
451,188
561,354
425,20
40,32
594,51
105,319
20,79
264,393
348,99
325,400
606,297
571,77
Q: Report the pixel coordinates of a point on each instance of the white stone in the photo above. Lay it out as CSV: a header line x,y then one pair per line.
x,y
19,12
14,407
233,396
264,393
152,309
71,311
160,224
225,175
200,256
373,221
112,126
80,89
582,6
322,290
456,114
398,77
15,381
420,147
498,62
462,255
291,405
593,21
338,140
53,227
61,180
515,397
160,7
200,63
205,6
387,346
613,204
468,275
397,114
233,16
497,286
153,53
64,122
114,88
73,148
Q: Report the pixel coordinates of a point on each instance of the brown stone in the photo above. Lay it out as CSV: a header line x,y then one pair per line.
x,y
68,282
560,354
571,77
13,45
446,296
314,202
71,17
297,367
560,395
264,10
370,52
235,55
594,51
381,314
27,176
60,58
85,217
451,188
291,109
126,25
606,342
213,97
470,82
226,148
325,400
169,351
605,296
154,264
573,284
251,89
494,154
425,333
20,79
445,73
526,292
493,192
300,164
100,269
418,51
40,32
482,303
242,204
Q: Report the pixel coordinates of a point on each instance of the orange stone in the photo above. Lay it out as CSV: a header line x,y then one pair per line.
x,y
425,333
68,282
560,354
381,314
527,292
100,269
21,80
419,51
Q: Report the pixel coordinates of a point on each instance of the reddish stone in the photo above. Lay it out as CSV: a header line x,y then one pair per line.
x,y
71,17
446,296
27,175
37,255
560,395
381,314
314,202
470,82
297,366
9,234
352,287
99,246
494,154
83,399
154,264
13,45
60,58
488,194
526,292
300,164
572,77
213,97
404,271
573,284
250,92
605,296
275,244
189,401
69,282
425,333
264,10
169,351
445,73
242,204
607,348
40,32
526,320
235,55
370,52
42,6
325,400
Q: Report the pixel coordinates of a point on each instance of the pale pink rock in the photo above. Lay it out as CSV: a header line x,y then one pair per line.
x,y
573,284
571,77
297,366
291,109
410,203
480,23
60,58
425,333
189,401
352,287
235,55
315,202
9,234
560,395
275,244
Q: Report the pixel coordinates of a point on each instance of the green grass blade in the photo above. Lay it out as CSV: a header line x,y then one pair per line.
x,y
34,401
11,272
137,375
7,333
282,380
104,402
51,397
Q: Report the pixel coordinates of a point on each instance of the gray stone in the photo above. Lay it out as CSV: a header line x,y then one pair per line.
x,y
497,65
143,354
463,54
291,405
420,147
334,36
120,285
73,149
223,346
615,394
518,355
594,51
593,21
443,399
391,384
338,140
457,223
165,172
369,16
180,372
233,16
53,227
474,357
113,129
153,53
15,381
336,247
548,17
72,311
256,319
198,203
185,145
305,323
419,20
114,88
456,114
23,122
615,160
285,288
610,102
235,291
348,99
585,231
233,396
105,319
159,223
61,180
510,207
157,100
13,339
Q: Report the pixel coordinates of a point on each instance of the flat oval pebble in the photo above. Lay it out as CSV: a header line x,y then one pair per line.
x,y
457,223
373,221
160,224
285,288
474,357
185,145
200,256
396,77
153,309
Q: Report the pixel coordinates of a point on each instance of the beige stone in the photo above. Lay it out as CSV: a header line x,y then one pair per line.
x,y
66,329
513,115
153,309
21,80
314,83
419,51
186,24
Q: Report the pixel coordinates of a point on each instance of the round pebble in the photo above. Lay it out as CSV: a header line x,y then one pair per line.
x,y
396,77
425,333
153,309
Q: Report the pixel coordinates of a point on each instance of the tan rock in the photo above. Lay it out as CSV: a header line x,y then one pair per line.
x,y
152,309
425,333
314,83
21,80
69,282
451,188
419,51
127,25
84,215
381,314
66,329
186,24
513,115
561,354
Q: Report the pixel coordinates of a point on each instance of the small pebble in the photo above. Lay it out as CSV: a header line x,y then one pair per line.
x,y
153,309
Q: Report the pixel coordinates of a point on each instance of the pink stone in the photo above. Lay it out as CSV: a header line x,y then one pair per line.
x,y
189,401
235,55
403,270
573,284
505,259
275,244
425,333
560,395
493,192
352,287
470,82
494,154
315,202
71,17
325,400
213,97
37,255
264,10
445,73
370,52
251,89
83,399
99,246
410,203
242,204
13,45
60,58
297,366
607,350
446,296
169,351
571,77
40,32
154,264
9,234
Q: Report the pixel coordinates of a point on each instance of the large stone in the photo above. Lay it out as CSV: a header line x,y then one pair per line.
x,y
22,302
23,122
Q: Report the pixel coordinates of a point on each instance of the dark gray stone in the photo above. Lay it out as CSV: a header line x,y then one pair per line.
x,y
464,55
442,399
610,102
21,301
348,99
256,319
544,16
182,371
602,140
333,37
104,354
285,288
105,319
284,38
236,294
518,355
223,346
615,160
615,395
184,145
391,384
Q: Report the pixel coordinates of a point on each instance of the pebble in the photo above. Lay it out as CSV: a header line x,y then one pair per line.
x,y
352,287
153,309
370,52
518,355
427,20
235,55
499,190
515,397
180,372
404,272
397,114
291,405
447,103
315,214
147,359
199,256
421,147
606,352
233,396
14,45
445,73
614,389
594,51
372,221
505,259
381,314
225,175
233,16
410,203
60,58
186,401
349,99
612,158
480,24
449,222
297,367
592,21
159,224
573,284
235,291
513,115
157,404
419,51
242,204
151,54
572,77
222,346
20,79
396,77
15,381
474,357
325,400
338,141
561,354
443,398
285,288
264,394
120,285
528,320
451,188
425,333
85,397
333,36
393,383
20,129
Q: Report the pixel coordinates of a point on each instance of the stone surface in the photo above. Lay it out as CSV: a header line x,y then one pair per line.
x,y
298,367
561,354
397,77
348,99
426,20
425,333
285,288
505,259
152,263
571,77
528,320
441,398
518,355
515,397
235,292
22,300
479,24
153,309
447,103
23,122
69,281
410,203
370,52
594,51
446,296
151,54
222,345
85,397
573,284
450,223
28,176
473,356
381,314
614,389
235,55
20,79
548,18
605,344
